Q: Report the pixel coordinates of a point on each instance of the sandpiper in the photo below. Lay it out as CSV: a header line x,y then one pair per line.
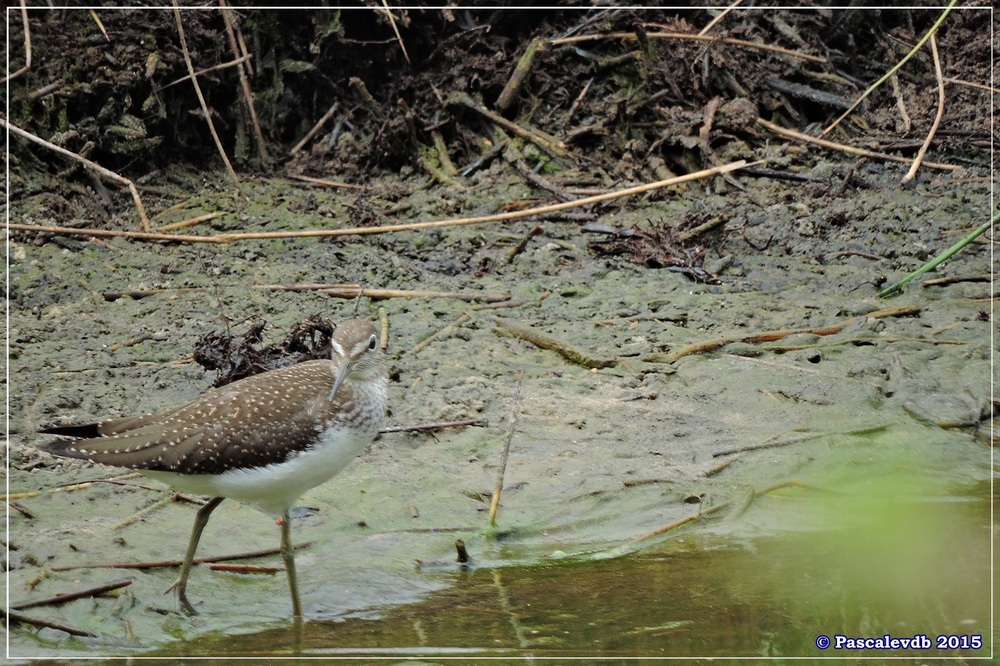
x,y
263,440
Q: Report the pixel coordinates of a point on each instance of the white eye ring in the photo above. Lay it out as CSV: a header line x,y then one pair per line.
x,y
372,343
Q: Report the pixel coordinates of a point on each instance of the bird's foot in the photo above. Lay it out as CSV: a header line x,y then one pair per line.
x,y
181,590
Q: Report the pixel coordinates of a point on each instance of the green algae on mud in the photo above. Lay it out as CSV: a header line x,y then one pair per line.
x,y
881,401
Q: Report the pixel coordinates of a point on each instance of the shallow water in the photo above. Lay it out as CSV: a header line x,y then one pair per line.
x,y
890,568
889,551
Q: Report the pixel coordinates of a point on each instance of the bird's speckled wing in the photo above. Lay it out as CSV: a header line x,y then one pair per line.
x,y
256,421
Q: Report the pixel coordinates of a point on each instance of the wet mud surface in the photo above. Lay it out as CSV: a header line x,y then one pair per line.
x,y
819,463
598,458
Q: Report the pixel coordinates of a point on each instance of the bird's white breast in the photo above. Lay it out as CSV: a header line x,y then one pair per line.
x,y
275,488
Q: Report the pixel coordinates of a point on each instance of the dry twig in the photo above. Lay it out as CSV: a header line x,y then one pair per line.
x,y
395,29
515,406
163,564
546,142
952,279
440,333
93,166
227,16
360,231
885,77
114,233
142,513
357,292
937,118
315,128
722,15
50,624
424,427
771,336
715,509
805,138
72,596
545,341
970,84
687,36
383,328
499,217
27,45
323,181
243,568
207,70
901,104
204,104
519,76
183,224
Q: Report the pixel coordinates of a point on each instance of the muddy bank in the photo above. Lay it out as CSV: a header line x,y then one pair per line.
x,y
599,457
868,413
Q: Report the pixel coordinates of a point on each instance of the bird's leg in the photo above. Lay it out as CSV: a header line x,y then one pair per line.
x,y
200,520
288,554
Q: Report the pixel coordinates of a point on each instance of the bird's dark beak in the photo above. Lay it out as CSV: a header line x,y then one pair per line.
x,y
341,369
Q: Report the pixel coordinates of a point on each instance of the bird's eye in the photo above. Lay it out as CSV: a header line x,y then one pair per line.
x,y
372,343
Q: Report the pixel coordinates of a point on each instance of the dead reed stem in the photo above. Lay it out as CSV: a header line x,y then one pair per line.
x,y
204,104
515,406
